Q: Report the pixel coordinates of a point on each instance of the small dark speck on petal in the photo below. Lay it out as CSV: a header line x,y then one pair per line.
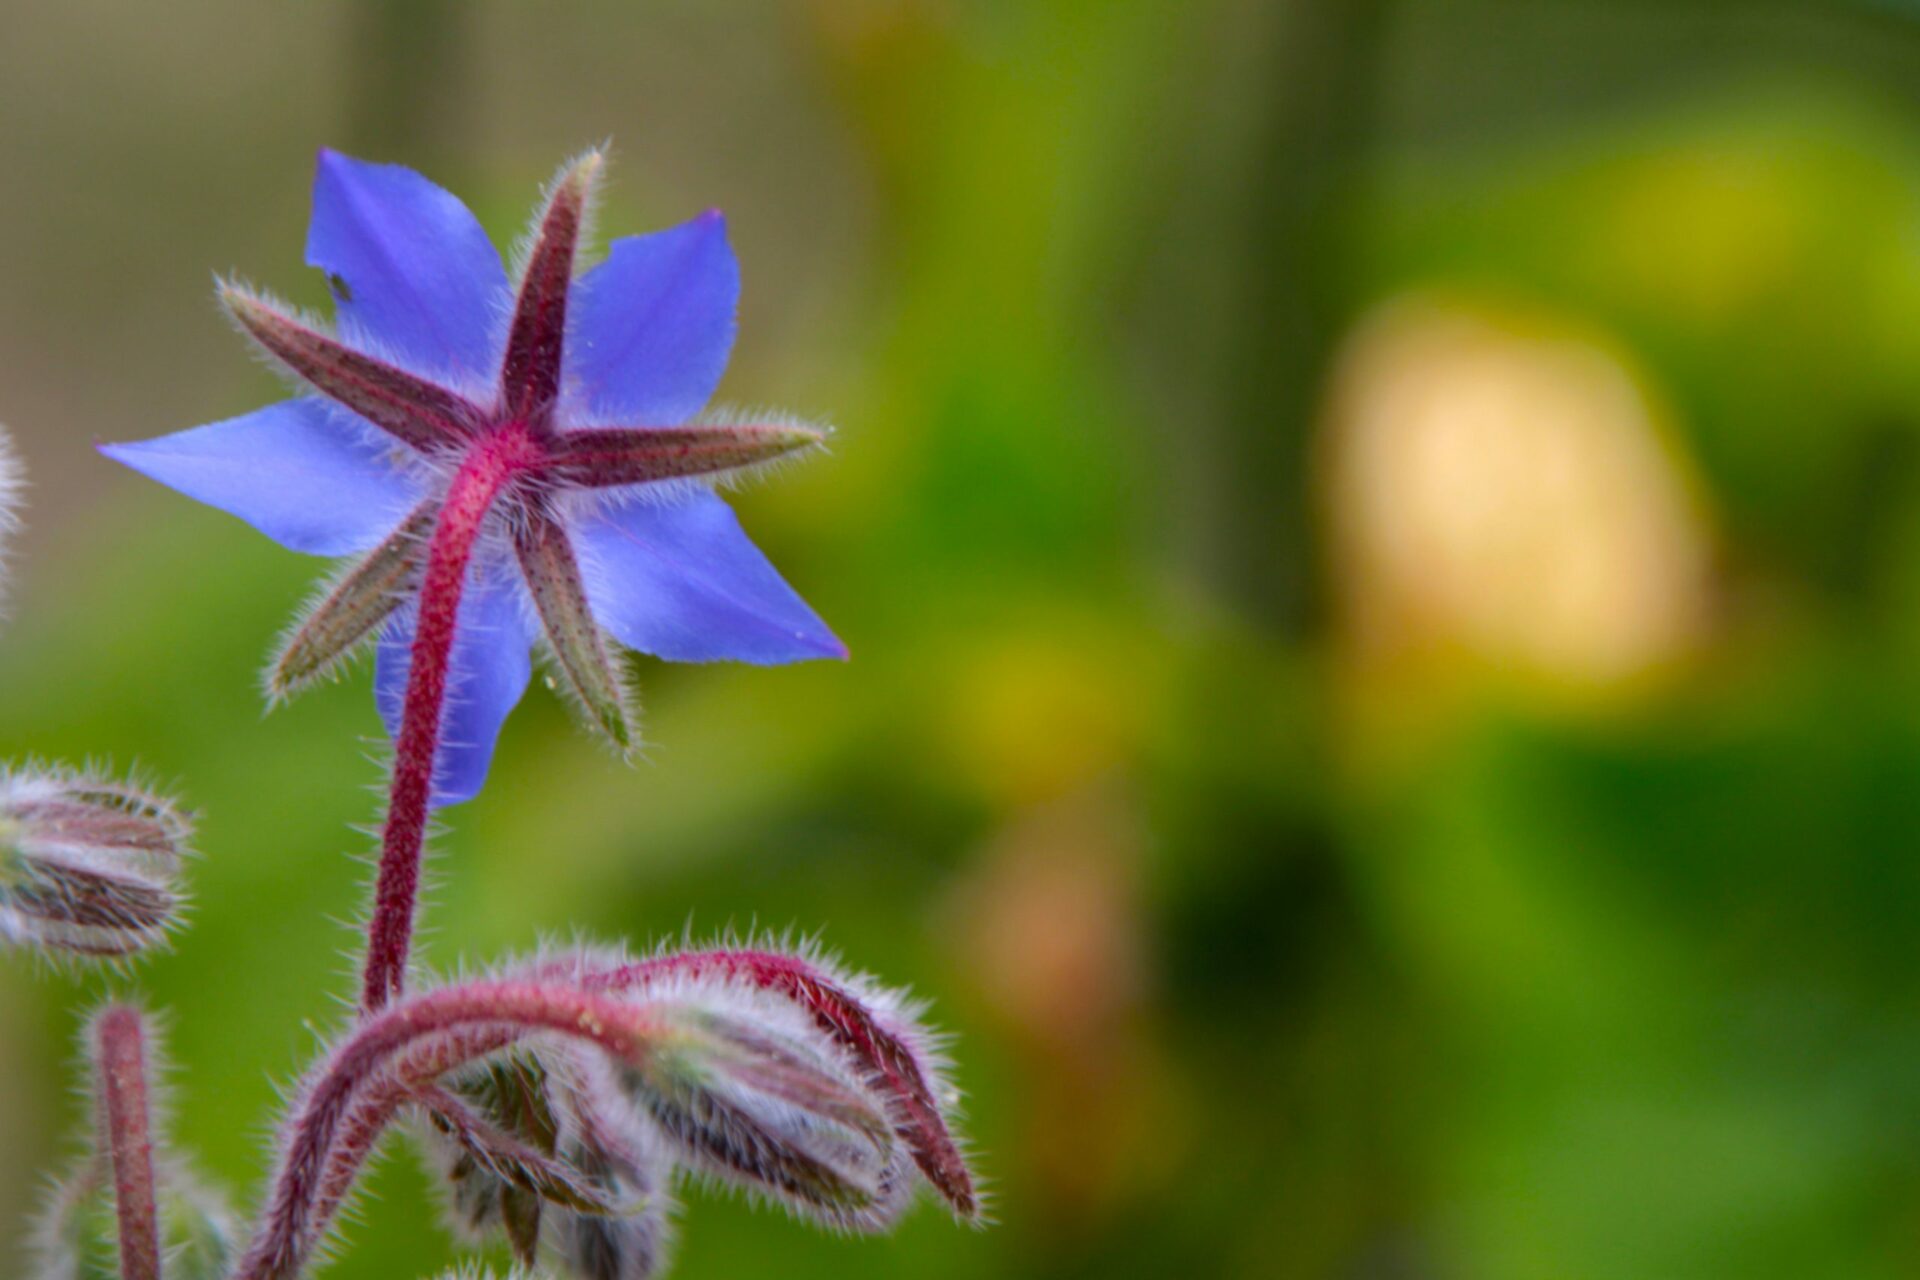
x,y
341,289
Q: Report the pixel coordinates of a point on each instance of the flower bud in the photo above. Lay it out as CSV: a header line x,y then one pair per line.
x,y
525,1152
631,1242
757,1097
87,866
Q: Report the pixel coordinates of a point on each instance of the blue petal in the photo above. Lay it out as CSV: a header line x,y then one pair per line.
x,y
681,580
414,277
309,477
649,329
489,672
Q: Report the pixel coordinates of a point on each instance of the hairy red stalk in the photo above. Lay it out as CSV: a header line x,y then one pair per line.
x,y
493,462
844,1017
120,1045
336,1115
372,1113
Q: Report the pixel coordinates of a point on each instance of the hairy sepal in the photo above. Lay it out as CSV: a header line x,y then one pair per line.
x,y
530,371
763,1103
420,414
720,447
585,662
351,610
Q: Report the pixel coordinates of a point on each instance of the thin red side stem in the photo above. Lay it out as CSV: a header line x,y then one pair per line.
x,y
331,1118
120,1043
492,464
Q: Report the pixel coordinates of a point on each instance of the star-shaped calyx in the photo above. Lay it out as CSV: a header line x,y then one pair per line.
x,y
510,461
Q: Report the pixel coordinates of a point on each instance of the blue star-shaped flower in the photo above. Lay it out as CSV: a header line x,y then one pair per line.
x,y
512,461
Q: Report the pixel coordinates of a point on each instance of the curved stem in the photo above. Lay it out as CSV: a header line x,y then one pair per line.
x,y
120,1043
348,1105
491,465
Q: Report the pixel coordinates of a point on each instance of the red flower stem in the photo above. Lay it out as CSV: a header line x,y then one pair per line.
x,y
493,462
408,1079
120,1044
332,1121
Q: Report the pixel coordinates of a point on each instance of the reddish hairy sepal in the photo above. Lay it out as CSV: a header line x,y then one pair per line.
x,y
89,866
352,608
877,1028
587,668
530,372
421,414
612,457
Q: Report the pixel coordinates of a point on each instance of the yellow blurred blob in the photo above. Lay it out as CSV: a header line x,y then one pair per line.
x,y
1502,501
1036,711
1707,231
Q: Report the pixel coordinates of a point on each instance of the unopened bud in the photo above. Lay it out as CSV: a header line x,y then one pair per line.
x,y
758,1102
630,1243
88,866
525,1154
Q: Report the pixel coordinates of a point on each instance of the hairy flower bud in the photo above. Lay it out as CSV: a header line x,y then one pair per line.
x,y
525,1151
881,1032
607,1144
88,866
757,1097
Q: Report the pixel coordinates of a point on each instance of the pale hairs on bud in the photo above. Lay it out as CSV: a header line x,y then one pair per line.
x,y
883,1028
606,1213
13,483
89,864
824,1150
611,1144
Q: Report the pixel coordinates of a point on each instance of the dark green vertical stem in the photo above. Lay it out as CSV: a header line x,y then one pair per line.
x,y
406,80
1322,75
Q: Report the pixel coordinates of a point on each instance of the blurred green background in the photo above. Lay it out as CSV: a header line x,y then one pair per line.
x,y
1380,541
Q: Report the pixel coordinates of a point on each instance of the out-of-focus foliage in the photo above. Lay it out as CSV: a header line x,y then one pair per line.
x,y
1380,541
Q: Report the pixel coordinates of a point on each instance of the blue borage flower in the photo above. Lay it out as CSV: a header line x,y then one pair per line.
x,y
510,461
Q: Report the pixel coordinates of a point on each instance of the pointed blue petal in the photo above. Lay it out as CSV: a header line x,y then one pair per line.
x,y
679,579
490,669
414,276
310,477
649,329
